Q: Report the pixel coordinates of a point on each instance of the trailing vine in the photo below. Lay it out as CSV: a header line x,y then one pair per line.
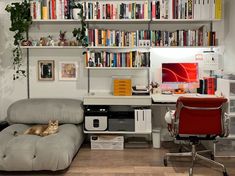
x,y
80,33
20,23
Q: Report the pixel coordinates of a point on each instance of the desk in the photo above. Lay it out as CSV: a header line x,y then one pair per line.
x,y
172,98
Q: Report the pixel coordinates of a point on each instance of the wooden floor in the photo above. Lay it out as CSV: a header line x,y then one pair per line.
x,y
135,162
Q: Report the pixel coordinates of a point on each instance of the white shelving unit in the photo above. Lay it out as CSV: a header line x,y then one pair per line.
x,y
226,146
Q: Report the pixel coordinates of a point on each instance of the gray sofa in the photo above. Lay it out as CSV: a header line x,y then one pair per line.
x,y
31,152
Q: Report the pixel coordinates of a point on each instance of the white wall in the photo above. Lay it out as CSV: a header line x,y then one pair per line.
x,y
11,91
229,35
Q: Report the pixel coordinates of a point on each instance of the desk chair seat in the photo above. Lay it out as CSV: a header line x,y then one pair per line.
x,y
197,119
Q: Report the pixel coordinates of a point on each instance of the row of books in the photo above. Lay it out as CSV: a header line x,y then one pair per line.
x,y
117,59
51,9
106,37
186,9
157,9
117,10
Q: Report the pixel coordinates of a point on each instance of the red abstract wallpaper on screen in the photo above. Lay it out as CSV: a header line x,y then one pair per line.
x,y
180,72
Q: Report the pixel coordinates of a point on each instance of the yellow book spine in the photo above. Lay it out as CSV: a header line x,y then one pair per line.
x,y
44,13
131,59
218,9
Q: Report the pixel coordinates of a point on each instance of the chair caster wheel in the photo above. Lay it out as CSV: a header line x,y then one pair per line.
x,y
225,173
165,162
213,157
190,171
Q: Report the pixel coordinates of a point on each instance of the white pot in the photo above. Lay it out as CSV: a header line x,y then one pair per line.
x,y
76,11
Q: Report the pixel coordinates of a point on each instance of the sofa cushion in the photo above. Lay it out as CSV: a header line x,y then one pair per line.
x,y
31,152
40,111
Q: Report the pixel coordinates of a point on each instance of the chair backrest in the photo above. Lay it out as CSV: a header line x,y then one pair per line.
x,y
200,116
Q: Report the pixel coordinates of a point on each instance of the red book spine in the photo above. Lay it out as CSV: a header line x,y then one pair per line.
x,y
34,10
98,11
53,9
153,10
108,11
173,8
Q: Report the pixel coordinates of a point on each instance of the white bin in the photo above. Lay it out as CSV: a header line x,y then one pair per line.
x,y
156,135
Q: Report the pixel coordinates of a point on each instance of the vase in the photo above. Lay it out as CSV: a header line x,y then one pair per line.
x,y
76,12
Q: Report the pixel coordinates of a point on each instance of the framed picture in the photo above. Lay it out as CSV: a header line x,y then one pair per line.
x,y
68,70
46,70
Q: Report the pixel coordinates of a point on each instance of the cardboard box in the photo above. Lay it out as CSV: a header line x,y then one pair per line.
x,y
107,142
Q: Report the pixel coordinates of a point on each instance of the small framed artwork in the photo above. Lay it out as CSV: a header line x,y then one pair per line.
x,y
46,70
68,70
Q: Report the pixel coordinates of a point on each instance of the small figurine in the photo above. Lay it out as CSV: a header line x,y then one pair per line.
x,y
43,41
26,43
63,41
50,41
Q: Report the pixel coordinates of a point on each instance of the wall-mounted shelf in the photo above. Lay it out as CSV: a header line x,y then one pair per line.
x,y
116,132
52,47
169,21
51,21
109,99
118,68
118,47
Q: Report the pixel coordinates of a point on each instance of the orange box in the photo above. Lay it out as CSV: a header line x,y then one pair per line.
x,y
122,87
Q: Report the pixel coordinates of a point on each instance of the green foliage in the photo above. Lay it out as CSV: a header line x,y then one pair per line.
x,y
80,33
20,23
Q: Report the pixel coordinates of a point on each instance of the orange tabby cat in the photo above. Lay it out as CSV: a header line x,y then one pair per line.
x,y
44,130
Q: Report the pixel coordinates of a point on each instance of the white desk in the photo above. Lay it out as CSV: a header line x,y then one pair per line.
x,y
163,98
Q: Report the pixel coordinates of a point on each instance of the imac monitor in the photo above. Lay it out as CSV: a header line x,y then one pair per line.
x,y
179,72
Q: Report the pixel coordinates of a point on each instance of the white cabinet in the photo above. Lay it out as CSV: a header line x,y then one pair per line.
x,y
225,146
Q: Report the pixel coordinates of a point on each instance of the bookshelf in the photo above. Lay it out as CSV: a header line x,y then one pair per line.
x,y
146,21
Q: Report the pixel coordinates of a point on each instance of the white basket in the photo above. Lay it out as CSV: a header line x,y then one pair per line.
x,y
107,142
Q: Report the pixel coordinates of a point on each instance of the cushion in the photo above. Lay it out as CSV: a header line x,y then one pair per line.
x,y
40,111
32,153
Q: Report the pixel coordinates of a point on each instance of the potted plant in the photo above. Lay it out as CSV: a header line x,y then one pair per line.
x,y
20,23
80,33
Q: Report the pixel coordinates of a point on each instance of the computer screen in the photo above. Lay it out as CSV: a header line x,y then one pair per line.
x,y
179,72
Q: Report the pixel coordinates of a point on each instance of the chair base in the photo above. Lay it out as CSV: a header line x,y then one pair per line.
x,y
195,154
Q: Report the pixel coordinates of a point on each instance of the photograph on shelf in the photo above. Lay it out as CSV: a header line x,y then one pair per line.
x,y
46,70
68,70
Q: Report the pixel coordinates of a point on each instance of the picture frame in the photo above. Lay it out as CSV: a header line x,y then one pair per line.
x,y
46,70
68,70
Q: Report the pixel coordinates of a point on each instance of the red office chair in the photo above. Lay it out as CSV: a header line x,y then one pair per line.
x,y
198,119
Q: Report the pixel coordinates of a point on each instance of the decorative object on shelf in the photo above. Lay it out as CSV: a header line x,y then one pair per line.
x,y
43,41
50,41
20,23
68,70
63,41
46,70
154,88
80,33
26,43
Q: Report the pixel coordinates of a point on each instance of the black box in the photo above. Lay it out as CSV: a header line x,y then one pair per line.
x,y
121,121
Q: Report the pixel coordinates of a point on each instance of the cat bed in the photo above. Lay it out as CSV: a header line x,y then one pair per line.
x,y
31,152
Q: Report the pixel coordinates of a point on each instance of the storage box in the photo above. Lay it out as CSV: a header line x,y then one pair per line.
x,y
107,142
122,87
121,121
225,147
96,123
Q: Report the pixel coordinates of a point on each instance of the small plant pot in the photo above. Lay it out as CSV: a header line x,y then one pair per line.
x,y
76,11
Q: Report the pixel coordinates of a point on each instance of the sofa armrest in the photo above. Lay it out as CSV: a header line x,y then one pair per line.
x,y
3,125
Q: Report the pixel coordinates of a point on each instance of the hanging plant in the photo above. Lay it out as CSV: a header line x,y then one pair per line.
x,y
80,33
20,23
